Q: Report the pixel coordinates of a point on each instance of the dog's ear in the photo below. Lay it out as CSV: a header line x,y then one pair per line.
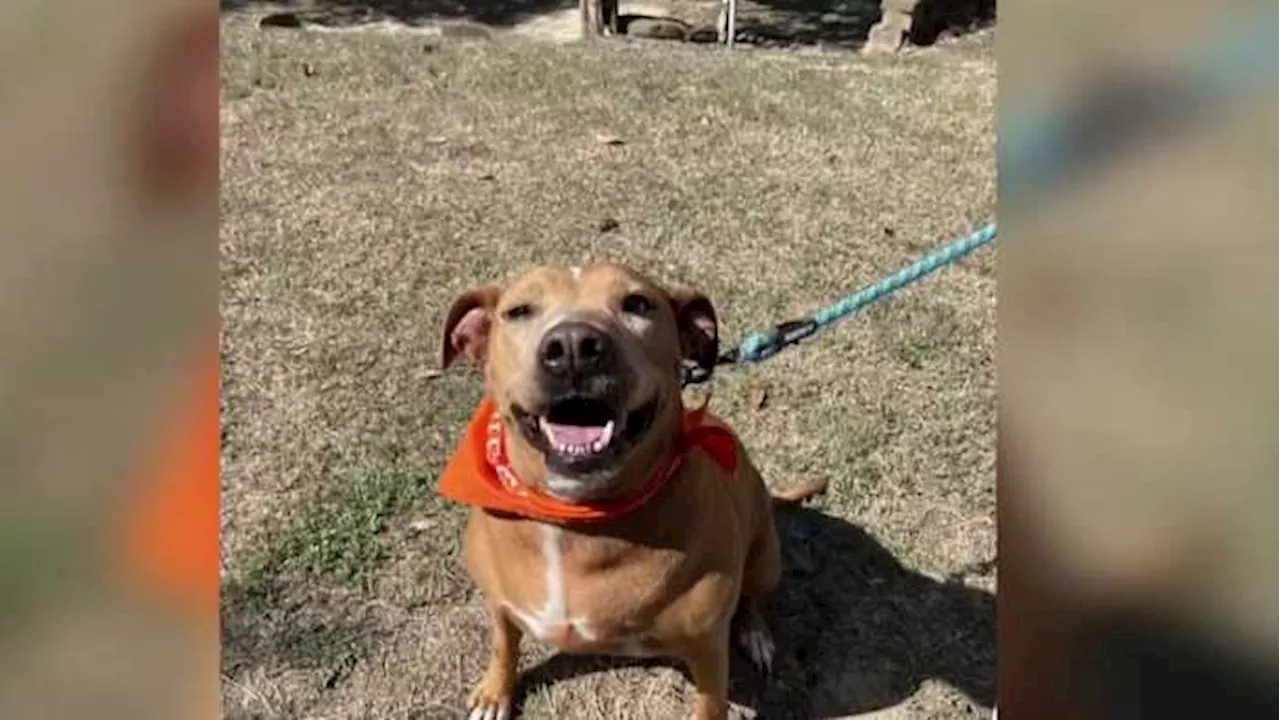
x,y
466,327
696,322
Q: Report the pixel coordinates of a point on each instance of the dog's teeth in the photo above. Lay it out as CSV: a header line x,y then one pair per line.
x,y
575,450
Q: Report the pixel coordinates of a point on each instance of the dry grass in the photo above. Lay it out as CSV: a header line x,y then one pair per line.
x,y
368,178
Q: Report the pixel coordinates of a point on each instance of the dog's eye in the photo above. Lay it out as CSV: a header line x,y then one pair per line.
x,y
637,304
518,312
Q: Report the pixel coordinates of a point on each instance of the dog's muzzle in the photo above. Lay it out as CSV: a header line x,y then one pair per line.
x,y
583,424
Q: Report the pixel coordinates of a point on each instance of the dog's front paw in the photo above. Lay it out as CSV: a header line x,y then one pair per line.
x,y
752,635
757,643
489,703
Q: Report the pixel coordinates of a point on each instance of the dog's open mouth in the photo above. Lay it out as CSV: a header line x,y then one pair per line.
x,y
581,434
579,427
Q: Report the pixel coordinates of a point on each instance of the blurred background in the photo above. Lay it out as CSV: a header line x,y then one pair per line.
x,y
1137,435
108,322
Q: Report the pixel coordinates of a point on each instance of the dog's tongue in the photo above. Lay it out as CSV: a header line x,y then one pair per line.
x,y
574,434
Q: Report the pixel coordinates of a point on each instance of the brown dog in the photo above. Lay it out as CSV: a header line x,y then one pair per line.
x,y
608,519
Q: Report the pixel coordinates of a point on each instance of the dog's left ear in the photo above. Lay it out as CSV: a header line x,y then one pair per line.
x,y
696,322
467,325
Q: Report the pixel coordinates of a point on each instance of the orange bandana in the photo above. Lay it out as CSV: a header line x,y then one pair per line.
x,y
479,474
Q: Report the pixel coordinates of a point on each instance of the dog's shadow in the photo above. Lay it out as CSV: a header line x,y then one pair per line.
x,y
855,631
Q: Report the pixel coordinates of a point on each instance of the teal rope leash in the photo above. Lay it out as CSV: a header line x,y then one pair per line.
x,y
1035,155
764,344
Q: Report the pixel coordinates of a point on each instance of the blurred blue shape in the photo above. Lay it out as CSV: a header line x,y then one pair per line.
x,y
1044,147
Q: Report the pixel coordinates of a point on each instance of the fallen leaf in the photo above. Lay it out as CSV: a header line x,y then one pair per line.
x,y
608,139
608,225
758,395
422,526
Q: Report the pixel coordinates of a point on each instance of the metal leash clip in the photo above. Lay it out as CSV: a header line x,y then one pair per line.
x,y
794,331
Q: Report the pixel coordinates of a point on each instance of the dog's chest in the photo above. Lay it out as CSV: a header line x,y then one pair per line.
x,y
580,595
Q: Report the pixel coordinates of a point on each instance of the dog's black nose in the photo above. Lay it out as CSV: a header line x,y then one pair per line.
x,y
574,348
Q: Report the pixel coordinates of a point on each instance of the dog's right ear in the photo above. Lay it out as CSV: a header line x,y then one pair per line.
x,y
699,330
466,327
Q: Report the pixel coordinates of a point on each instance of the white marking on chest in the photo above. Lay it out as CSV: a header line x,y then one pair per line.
x,y
552,619
576,272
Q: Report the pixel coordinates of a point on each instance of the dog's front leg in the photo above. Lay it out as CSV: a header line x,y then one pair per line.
x,y
708,661
492,698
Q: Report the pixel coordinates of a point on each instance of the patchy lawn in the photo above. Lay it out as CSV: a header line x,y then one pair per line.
x,y
369,177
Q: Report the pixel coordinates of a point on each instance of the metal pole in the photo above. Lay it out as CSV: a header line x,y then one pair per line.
x,y
732,23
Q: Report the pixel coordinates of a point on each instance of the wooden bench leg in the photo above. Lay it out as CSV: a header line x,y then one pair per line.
x,y
592,12
609,17
888,35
